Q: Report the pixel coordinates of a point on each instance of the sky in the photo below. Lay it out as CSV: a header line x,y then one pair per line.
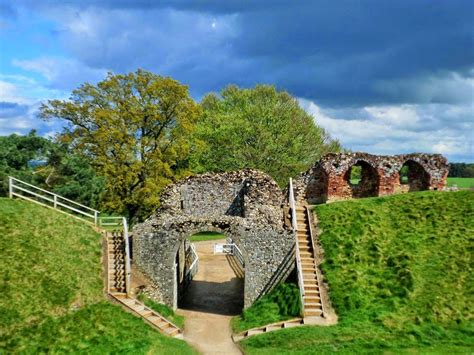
x,y
384,77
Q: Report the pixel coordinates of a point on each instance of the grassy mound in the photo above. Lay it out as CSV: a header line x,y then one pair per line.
x,y
400,276
280,304
51,297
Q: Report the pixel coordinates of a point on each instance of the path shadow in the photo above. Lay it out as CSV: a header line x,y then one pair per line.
x,y
224,298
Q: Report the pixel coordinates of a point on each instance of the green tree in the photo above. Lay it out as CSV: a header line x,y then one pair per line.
x,y
72,176
18,155
135,130
258,128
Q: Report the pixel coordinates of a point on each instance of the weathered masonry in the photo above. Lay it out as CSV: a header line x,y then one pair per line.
x,y
245,205
330,178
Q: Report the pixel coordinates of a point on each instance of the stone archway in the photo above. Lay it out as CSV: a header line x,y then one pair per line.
x,y
245,205
416,177
368,180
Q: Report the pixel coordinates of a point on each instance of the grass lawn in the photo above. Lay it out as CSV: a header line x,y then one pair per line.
x,y
203,236
51,297
400,274
462,183
280,304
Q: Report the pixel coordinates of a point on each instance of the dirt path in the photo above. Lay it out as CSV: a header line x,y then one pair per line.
x,y
213,297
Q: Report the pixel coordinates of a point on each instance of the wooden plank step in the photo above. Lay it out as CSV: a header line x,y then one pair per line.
x,y
174,333
313,312
153,318
274,327
145,312
255,331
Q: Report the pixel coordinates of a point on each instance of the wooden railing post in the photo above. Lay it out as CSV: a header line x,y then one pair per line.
x,y
10,187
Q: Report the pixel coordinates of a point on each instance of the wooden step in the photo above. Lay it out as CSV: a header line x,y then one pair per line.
x,y
145,312
172,331
313,313
255,331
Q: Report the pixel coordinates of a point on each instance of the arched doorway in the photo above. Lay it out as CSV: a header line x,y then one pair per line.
x,y
362,179
210,274
413,177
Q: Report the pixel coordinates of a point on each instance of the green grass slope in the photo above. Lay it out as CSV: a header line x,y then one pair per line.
x,y
400,276
51,291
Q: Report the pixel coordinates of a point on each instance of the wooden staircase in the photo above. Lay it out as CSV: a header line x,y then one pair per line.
x,y
116,263
117,290
312,305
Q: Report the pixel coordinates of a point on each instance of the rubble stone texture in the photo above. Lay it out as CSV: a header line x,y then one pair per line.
x,y
245,205
329,179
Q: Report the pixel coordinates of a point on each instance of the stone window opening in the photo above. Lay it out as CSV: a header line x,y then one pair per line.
x,y
414,177
362,179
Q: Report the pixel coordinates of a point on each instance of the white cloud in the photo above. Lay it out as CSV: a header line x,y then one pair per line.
x,y
61,73
432,128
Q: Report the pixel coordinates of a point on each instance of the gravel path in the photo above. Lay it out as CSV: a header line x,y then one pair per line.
x,y
213,297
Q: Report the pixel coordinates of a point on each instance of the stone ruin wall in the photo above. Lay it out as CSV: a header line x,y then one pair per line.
x,y
249,207
245,205
328,179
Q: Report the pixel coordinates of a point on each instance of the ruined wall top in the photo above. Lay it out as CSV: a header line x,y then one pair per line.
x,y
338,163
244,194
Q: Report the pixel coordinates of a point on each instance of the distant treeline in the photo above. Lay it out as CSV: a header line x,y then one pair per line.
x,y
461,170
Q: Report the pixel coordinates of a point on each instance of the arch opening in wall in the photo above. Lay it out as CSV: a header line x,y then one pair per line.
x,y
209,274
413,177
363,179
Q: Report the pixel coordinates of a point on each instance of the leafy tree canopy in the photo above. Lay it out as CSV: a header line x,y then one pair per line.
x,y
42,162
258,128
461,170
134,129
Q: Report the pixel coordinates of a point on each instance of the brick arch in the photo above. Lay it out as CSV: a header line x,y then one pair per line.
x,y
418,177
368,185
245,205
334,186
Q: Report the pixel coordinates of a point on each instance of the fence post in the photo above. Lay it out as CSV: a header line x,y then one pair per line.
x,y
95,218
55,201
10,187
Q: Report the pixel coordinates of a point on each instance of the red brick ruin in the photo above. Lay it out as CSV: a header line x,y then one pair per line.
x,y
330,178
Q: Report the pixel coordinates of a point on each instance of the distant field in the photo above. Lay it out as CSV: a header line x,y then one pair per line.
x,y
462,183
51,298
200,237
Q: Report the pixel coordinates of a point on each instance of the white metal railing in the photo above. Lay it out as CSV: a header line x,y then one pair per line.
x,y
318,276
294,224
230,248
49,199
193,269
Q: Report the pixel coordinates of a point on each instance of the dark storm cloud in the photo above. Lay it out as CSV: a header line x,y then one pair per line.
x,y
339,53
